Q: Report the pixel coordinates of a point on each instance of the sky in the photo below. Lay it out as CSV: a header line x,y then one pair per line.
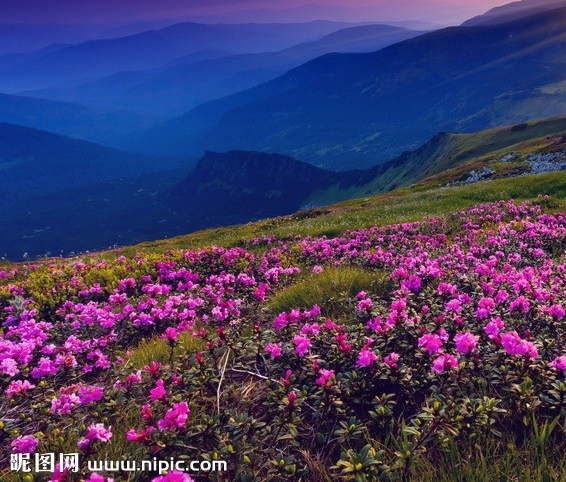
x,y
127,11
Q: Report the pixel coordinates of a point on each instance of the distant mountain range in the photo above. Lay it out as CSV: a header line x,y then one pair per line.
x,y
65,195
513,11
184,82
342,111
70,65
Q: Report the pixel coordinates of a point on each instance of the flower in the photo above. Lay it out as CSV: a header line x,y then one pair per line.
x,y
466,342
24,444
175,418
325,375
174,476
95,432
158,392
559,362
443,362
142,437
391,360
431,343
365,358
273,349
302,344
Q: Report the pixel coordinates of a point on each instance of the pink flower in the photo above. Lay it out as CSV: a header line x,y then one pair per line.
x,y
273,349
158,392
493,328
95,432
90,393
317,269
18,387
325,375
365,358
520,304
443,362
391,360
24,444
94,477
454,305
292,398
175,418
281,321
515,345
559,362
302,344
174,476
171,334
557,312
431,343
141,437
466,342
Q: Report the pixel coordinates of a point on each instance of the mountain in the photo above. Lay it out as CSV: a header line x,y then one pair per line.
x,y
239,186
69,119
35,162
513,11
199,77
60,195
95,59
355,110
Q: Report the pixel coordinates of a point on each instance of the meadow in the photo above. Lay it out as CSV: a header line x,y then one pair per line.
x,y
414,336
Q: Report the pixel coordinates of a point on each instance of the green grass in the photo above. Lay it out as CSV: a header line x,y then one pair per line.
x,y
327,289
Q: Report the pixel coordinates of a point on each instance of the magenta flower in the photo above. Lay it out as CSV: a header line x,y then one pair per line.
x,y
559,362
557,312
18,387
292,398
365,358
466,342
95,477
302,344
281,321
90,393
454,305
175,418
24,444
158,392
515,345
431,343
520,304
273,349
64,404
443,362
325,375
174,476
391,360
95,432
141,437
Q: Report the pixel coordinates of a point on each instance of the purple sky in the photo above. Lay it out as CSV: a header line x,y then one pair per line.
x,y
125,11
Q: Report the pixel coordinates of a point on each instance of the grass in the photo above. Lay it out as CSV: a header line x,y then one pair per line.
x,y
327,288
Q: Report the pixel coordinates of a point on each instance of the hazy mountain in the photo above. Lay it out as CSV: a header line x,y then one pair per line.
x,y
91,60
60,195
199,77
70,119
355,110
34,162
513,11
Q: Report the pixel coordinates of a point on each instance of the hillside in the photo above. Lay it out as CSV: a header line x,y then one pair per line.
x,y
436,316
343,111
114,202
513,11
213,73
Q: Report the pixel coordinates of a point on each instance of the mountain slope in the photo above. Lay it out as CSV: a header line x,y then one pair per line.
x,y
95,59
188,81
342,111
513,11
